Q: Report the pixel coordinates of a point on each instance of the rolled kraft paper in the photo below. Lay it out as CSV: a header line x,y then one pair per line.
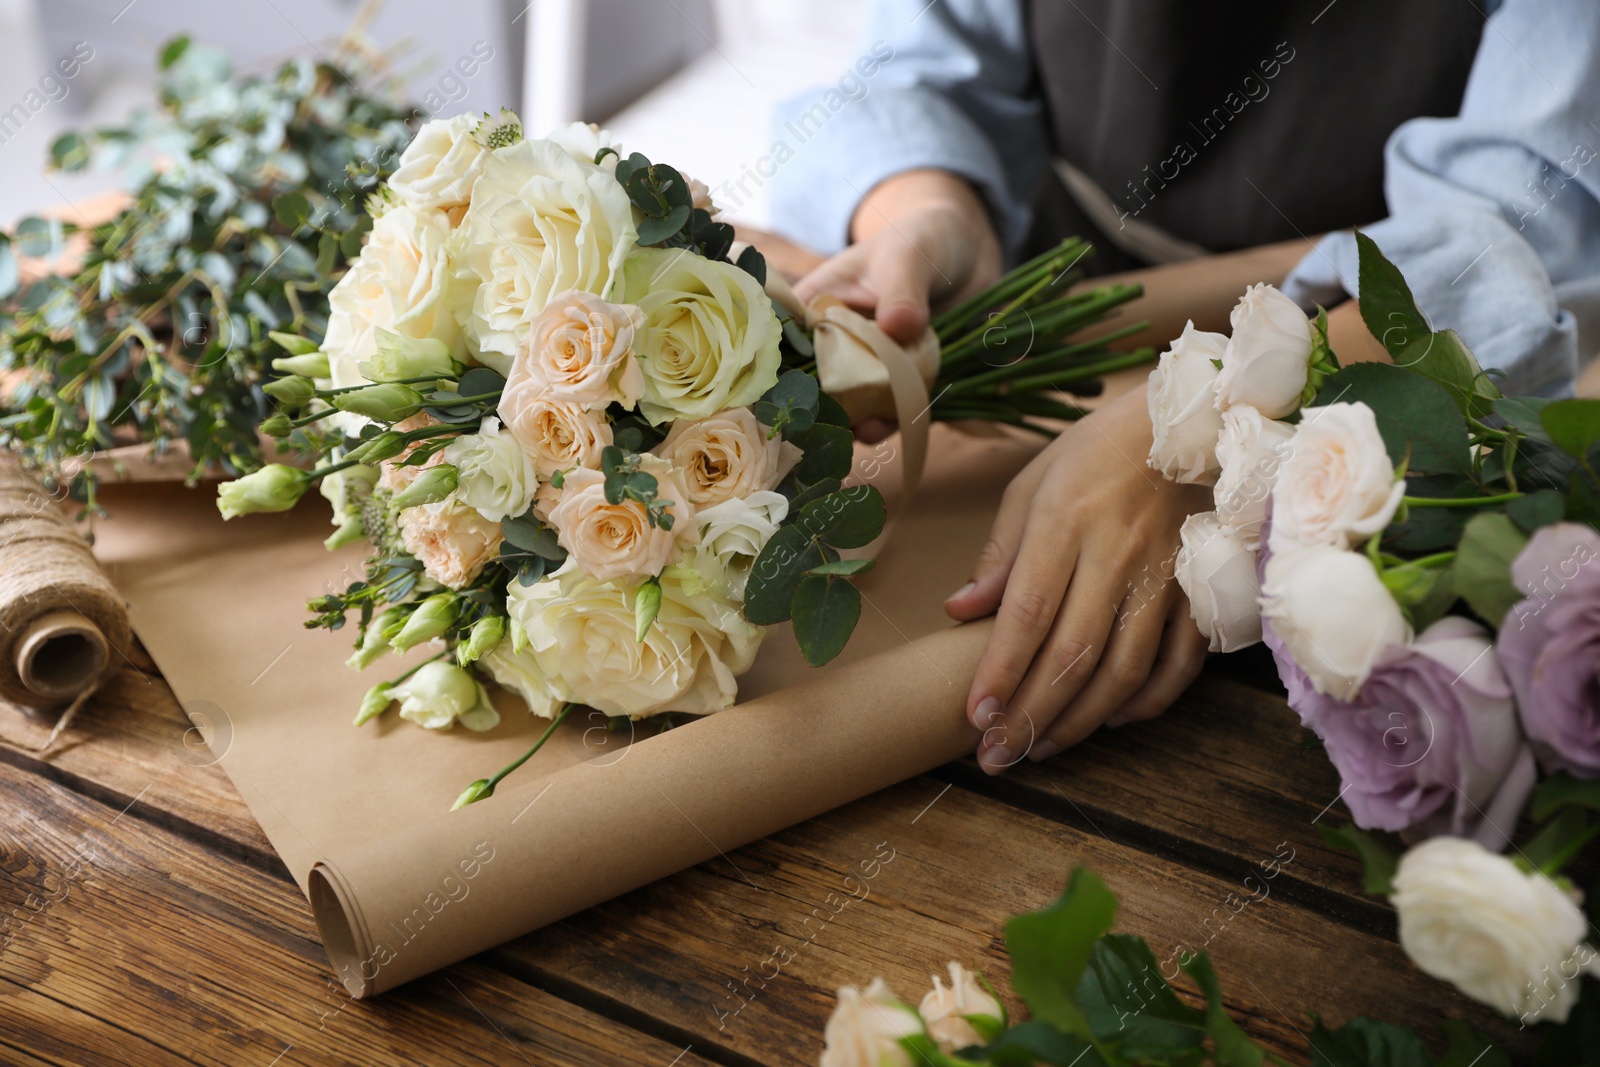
x,y
63,627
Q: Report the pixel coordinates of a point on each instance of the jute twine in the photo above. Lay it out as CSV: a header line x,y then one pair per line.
x,y
63,628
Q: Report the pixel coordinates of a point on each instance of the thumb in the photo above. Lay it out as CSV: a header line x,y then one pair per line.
x,y
901,276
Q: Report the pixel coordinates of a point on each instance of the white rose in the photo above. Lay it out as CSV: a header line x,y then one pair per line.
x,y
1217,571
709,339
865,1029
519,673
619,542
585,140
580,351
442,693
1336,486
1250,451
1183,411
732,535
440,165
557,436
580,634
726,456
1268,358
400,282
1334,615
1511,939
496,475
541,223
945,1009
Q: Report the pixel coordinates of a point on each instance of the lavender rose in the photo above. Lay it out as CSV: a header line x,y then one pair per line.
x,y
1550,645
1432,742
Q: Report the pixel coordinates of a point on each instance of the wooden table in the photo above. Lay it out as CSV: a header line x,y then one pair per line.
x,y
147,920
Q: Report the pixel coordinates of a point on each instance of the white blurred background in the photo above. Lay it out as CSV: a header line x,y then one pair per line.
x,y
690,82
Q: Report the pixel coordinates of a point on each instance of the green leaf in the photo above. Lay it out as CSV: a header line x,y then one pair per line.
x,y
8,269
825,612
1562,790
829,451
1482,569
1559,842
33,236
1468,1048
480,381
842,568
1378,860
531,535
70,152
1576,1041
1035,1042
849,518
1362,1042
777,573
1573,425
1231,1046
1445,358
292,210
1130,1005
172,51
1524,412
654,230
1051,949
1537,509
754,264
1421,427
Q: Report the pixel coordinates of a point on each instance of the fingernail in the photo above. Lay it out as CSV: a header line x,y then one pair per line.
x,y
963,591
1114,722
984,715
1044,750
995,758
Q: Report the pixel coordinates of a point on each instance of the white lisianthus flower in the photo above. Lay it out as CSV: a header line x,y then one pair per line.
x,y
618,542
1268,359
541,223
400,282
400,358
945,1009
1333,613
494,474
581,636
453,542
709,340
1183,411
1511,939
732,535
726,456
585,140
580,351
1217,571
440,694
1336,486
865,1029
1250,450
440,165
519,673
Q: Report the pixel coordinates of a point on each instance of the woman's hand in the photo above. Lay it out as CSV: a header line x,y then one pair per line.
x,y
1092,626
921,237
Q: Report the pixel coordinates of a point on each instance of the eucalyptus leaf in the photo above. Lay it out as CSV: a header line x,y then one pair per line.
x,y
825,611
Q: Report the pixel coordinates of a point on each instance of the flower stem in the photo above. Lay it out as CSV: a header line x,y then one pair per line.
x,y
496,778
1459,502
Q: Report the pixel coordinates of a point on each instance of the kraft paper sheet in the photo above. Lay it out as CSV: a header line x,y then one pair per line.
x,y
401,886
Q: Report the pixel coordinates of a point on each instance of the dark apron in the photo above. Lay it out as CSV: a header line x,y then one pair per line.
x,y
1232,123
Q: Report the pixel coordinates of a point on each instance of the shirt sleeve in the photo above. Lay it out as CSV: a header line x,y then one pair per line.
x,y
1494,215
947,84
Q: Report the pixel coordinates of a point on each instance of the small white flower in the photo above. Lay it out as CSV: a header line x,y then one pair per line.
x,y
495,475
1183,413
1268,359
1251,449
732,535
945,1009
865,1029
1334,615
1217,571
440,694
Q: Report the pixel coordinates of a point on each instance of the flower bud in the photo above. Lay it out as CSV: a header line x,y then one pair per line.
x,y
275,487
308,365
292,392
401,358
438,695
378,448
473,793
376,702
485,637
646,606
277,425
431,618
375,641
350,530
431,486
388,402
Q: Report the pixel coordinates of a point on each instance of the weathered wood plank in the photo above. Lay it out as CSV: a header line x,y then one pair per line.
x,y
124,937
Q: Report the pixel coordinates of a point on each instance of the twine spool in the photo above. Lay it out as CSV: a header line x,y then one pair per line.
x,y
63,628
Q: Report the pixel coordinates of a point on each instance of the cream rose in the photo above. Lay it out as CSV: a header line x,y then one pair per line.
x,y
1336,486
1250,451
580,351
518,672
617,542
585,140
726,456
452,540
944,1009
1334,615
496,475
1511,939
1217,571
1183,413
440,165
400,282
541,223
709,340
441,694
557,436
732,535
580,636
865,1029
1268,358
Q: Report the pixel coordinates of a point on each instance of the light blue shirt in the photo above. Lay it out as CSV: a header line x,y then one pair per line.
x,y
1494,214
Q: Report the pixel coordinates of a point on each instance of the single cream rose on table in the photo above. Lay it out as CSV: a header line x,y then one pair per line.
x,y
580,351
709,340
865,1029
726,456
541,223
620,541
1336,486
1267,361
1183,412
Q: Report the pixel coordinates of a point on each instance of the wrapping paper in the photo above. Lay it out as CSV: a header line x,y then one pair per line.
x,y
401,886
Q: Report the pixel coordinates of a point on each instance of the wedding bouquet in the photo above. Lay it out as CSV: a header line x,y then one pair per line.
x,y
594,458
1419,552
